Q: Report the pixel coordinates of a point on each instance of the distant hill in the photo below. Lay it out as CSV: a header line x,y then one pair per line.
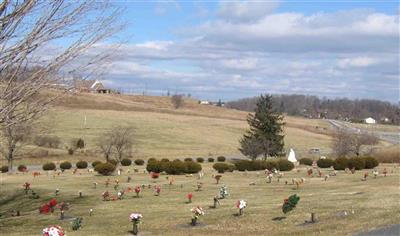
x,y
314,107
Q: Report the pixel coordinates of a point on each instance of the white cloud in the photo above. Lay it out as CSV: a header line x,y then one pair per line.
x,y
357,62
245,11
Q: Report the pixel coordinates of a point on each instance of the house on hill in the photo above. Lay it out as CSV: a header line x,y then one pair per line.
x,y
90,86
370,120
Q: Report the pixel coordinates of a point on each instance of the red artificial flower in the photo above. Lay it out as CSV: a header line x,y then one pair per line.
x,y
137,189
286,200
27,185
44,209
154,175
53,202
190,196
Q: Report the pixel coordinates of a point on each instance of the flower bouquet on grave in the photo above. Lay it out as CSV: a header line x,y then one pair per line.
x,y
384,172
154,175
120,194
290,203
309,172
34,195
53,230
223,192
197,212
27,187
189,197
138,189
241,204
106,196
76,223
48,207
375,173
136,219
158,190
63,206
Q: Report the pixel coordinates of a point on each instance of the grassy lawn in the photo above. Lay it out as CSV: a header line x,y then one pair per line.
x,y
375,203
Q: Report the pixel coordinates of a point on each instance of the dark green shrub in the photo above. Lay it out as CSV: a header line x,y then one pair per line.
x,y
270,165
95,163
49,166
210,159
4,169
176,167
164,160
221,159
357,163
151,160
81,165
22,168
80,143
113,161
340,163
105,168
200,159
192,167
188,159
325,163
66,165
231,168
285,165
370,162
126,162
221,167
154,166
139,162
306,161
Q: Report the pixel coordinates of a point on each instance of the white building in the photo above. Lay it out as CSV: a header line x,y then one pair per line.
x,y
370,120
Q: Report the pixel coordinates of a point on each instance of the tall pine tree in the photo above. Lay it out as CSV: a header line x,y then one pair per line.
x,y
265,136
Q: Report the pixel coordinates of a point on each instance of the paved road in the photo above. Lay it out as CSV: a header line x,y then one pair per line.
x,y
391,137
393,230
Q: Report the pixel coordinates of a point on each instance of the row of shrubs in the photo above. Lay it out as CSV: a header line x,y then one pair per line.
x,y
175,167
342,163
210,159
247,165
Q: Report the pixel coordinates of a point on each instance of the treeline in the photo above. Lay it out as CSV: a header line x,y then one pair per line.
x,y
314,107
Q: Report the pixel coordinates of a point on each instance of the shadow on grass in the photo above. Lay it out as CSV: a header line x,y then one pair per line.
x,y
279,218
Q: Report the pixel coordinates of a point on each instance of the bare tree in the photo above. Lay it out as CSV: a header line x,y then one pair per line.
x,y
14,137
30,62
251,148
177,101
346,143
106,144
123,141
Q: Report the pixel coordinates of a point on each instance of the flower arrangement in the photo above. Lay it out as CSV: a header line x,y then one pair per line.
x,y
158,190
290,203
199,186
63,206
154,175
76,223
375,173
34,195
365,176
53,230
189,197
197,212
27,187
310,172
241,204
138,189
120,194
384,172
48,207
136,219
106,196
223,192
269,177
218,178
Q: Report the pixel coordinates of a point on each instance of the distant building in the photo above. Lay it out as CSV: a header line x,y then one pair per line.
x,y
370,120
204,102
90,86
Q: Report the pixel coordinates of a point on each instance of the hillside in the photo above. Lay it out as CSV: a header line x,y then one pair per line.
x,y
162,131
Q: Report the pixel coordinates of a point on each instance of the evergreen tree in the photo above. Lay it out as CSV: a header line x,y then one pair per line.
x,y
266,130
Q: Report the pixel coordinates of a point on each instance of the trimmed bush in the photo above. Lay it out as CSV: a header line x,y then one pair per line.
x,y
95,163
49,166
81,165
66,165
357,163
139,162
221,167
154,166
188,159
126,162
105,168
325,163
306,161
270,165
112,161
200,159
340,163
370,162
210,159
151,159
164,160
221,159
22,168
285,165
231,167
4,169
176,167
192,167
248,165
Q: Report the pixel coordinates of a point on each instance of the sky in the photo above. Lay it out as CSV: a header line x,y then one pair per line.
x,y
234,49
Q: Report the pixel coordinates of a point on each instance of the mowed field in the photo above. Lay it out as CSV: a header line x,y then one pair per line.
x,y
375,203
160,130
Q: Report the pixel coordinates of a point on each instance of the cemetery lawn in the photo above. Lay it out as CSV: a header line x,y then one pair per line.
x,y
375,203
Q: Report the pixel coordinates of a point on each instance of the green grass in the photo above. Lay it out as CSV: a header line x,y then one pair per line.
x,y
374,201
